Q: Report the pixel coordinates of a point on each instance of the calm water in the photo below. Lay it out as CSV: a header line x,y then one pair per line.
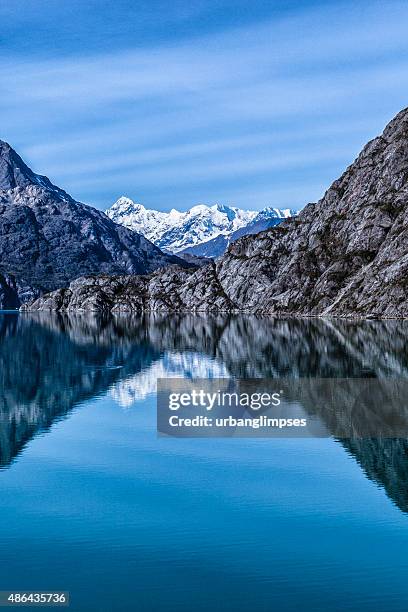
x,y
94,503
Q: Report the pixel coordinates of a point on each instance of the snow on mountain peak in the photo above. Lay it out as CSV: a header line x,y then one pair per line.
x,y
279,213
175,230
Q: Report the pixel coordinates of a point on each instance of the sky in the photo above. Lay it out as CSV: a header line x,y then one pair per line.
x,y
252,104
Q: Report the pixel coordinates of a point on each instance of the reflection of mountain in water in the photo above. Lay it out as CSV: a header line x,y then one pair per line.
x,y
386,463
48,364
173,364
47,369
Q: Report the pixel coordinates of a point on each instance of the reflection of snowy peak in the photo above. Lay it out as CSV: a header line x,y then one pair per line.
x,y
176,231
172,365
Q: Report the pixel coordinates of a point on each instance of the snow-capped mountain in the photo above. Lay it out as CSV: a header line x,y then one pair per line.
x,y
264,219
177,231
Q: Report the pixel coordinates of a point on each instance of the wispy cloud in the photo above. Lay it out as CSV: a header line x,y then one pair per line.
x,y
282,97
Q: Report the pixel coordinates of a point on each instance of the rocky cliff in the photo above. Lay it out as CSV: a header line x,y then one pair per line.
x,y
48,239
346,255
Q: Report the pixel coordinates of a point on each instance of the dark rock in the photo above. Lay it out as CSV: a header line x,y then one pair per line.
x,y
14,291
196,260
346,255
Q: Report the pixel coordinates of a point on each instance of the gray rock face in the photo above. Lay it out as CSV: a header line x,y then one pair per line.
x,y
48,239
346,255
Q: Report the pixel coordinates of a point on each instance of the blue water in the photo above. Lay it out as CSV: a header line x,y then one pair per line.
x,y
94,503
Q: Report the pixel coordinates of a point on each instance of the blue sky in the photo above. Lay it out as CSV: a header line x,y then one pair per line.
x,y
177,103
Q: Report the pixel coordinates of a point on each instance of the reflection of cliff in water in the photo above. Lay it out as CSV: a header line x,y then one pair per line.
x,y
45,372
386,463
50,363
254,346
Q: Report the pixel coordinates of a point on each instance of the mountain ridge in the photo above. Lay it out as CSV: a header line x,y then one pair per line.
x,y
48,239
192,231
263,220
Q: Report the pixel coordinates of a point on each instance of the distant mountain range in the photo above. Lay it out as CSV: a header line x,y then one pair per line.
x,y
48,239
203,231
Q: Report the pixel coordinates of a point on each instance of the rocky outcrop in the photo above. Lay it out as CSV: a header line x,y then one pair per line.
x,y
48,239
346,255
173,289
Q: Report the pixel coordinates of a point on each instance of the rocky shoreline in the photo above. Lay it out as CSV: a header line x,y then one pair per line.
x,y
147,294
